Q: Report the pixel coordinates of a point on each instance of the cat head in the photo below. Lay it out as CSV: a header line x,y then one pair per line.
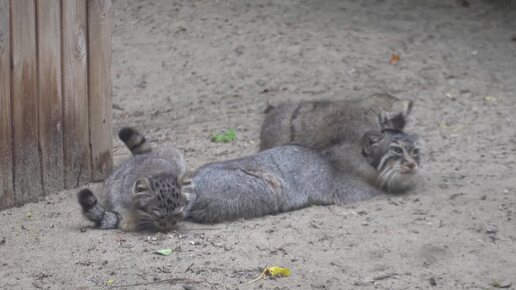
x,y
159,201
395,155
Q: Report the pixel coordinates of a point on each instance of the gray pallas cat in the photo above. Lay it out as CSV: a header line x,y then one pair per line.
x,y
290,177
143,193
321,124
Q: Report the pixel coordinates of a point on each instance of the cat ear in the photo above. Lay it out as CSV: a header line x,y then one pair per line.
x,y
141,192
141,185
396,119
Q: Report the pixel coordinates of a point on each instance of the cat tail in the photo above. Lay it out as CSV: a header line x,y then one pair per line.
x,y
94,212
134,140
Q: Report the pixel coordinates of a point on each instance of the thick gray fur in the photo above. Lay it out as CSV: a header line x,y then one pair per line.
x,y
269,182
290,177
322,124
144,192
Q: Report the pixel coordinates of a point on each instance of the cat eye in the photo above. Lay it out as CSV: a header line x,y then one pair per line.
x,y
396,149
415,151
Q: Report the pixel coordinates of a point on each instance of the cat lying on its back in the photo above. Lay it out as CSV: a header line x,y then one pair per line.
x,y
143,193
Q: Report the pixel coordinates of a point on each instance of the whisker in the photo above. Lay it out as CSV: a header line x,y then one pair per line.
x,y
381,176
394,176
384,173
386,178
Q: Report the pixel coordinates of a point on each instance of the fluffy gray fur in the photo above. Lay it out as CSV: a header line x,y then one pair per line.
x,y
290,177
143,193
322,124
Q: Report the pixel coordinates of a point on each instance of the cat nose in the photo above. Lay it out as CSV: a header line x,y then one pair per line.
x,y
411,165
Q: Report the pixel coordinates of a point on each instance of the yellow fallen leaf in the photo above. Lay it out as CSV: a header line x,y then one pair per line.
x,y
272,272
109,282
278,271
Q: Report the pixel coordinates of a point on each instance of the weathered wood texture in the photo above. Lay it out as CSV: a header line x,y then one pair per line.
x,y
99,32
6,178
77,154
49,89
55,96
24,98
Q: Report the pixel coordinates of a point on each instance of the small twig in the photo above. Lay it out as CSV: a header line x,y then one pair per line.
x,y
262,276
188,268
172,280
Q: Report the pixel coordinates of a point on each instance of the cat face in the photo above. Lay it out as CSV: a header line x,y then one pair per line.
x,y
159,201
396,157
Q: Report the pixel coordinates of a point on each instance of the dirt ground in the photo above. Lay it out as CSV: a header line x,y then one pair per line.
x,y
184,70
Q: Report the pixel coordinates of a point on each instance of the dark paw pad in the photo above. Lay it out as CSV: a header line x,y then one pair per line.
x,y
86,199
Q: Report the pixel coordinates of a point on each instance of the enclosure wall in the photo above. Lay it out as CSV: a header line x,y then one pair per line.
x,y
55,96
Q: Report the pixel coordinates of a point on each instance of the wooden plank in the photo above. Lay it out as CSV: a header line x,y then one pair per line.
x,y
77,156
49,94
99,83
24,97
6,177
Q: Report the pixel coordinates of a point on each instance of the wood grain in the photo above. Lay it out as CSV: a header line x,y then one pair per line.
x,y
49,94
77,155
99,83
6,177
27,168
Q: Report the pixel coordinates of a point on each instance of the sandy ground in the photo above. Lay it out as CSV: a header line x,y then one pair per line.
x,y
184,70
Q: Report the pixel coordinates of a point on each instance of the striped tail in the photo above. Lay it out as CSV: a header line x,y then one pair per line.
x,y
95,212
134,140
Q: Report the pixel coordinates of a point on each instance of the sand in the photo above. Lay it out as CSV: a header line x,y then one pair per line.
x,y
185,70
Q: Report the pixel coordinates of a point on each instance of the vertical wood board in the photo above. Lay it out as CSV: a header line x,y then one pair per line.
x,y
6,178
77,155
49,94
24,97
55,96
99,81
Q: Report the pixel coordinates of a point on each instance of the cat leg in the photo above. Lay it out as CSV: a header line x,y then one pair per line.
x,y
94,212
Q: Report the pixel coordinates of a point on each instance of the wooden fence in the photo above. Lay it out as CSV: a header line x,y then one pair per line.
x,y
55,96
